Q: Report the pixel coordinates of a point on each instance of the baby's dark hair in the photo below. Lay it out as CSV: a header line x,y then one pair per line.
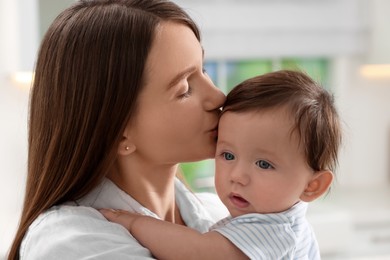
x,y
312,109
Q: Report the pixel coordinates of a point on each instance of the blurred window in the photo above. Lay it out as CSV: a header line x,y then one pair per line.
x,y
227,74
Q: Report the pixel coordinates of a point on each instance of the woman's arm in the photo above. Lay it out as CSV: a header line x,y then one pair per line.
x,y
170,241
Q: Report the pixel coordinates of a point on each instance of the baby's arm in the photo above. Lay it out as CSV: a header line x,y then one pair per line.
x,y
171,241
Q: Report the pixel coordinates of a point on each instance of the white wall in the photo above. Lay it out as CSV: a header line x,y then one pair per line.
x,y
248,28
365,108
17,52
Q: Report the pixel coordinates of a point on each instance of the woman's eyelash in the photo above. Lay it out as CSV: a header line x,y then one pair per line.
x,y
187,93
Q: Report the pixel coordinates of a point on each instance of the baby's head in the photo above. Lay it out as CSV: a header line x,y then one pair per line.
x,y
285,126
312,109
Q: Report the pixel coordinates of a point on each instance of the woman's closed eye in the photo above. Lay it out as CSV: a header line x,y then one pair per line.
x,y
187,93
264,165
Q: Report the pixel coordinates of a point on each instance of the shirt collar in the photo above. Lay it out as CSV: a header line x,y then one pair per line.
x,y
108,195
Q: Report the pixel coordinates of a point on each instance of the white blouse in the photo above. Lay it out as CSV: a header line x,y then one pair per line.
x,y
77,230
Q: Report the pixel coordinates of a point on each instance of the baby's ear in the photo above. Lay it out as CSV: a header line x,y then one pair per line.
x,y
317,186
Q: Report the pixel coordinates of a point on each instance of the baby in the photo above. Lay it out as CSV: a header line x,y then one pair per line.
x,y
279,136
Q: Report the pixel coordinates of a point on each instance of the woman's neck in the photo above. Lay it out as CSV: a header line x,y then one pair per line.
x,y
151,185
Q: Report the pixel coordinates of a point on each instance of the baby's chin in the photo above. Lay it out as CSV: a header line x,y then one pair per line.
x,y
237,213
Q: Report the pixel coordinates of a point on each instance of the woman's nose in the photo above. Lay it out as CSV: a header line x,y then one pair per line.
x,y
215,98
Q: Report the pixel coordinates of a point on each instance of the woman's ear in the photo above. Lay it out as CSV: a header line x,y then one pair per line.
x,y
126,146
317,186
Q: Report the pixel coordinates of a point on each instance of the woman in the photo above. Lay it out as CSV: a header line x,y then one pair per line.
x,y
119,99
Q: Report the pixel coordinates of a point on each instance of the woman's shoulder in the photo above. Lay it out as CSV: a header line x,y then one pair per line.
x,y
75,232
71,215
65,219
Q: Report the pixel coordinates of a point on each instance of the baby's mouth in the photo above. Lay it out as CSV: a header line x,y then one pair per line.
x,y
238,201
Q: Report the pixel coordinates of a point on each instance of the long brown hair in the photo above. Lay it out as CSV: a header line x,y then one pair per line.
x,y
312,107
88,75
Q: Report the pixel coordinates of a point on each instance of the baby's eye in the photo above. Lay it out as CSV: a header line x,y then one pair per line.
x,y
228,156
264,164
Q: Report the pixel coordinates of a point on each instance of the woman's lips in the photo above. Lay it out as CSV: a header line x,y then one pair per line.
x,y
238,201
214,133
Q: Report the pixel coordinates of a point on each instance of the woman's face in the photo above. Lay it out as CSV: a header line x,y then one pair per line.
x,y
178,108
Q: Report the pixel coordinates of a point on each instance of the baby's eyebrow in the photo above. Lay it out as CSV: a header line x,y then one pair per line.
x,y
223,143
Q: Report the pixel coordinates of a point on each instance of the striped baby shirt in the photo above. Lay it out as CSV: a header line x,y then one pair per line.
x,y
284,235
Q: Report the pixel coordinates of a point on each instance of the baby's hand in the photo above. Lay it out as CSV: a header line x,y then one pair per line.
x,y
121,217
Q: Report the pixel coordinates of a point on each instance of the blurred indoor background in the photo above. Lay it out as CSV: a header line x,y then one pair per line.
x,y
344,44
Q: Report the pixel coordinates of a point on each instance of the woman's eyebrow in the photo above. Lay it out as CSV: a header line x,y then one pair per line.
x,y
181,75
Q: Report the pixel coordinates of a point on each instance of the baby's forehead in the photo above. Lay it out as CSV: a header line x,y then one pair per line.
x,y
279,117
271,130
281,111
283,114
